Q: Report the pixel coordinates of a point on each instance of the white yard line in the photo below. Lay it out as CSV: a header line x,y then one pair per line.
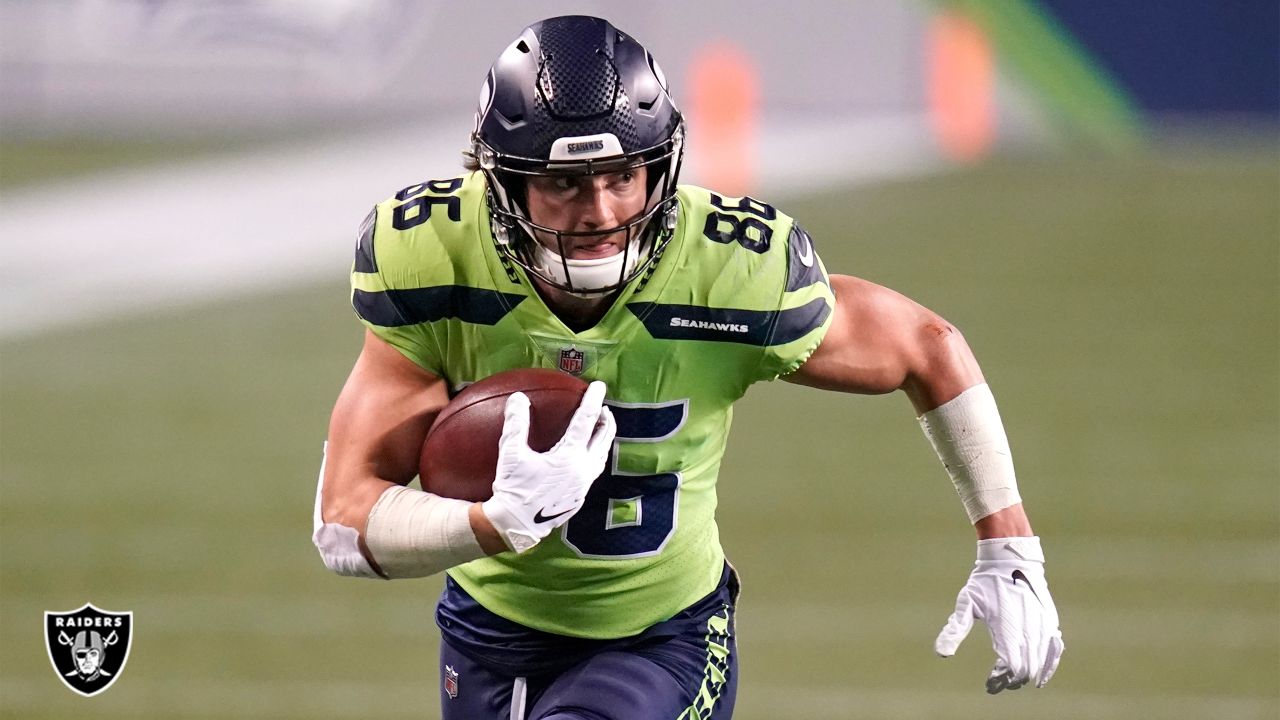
x,y
164,237
158,237
1148,627
179,695
853,703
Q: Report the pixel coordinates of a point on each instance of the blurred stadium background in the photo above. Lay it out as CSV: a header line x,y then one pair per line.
x,y
1090,190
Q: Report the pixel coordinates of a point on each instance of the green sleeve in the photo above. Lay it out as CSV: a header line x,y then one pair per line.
x,y
805,306
379,295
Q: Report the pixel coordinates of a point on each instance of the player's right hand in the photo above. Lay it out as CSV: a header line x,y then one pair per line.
x,y
535,493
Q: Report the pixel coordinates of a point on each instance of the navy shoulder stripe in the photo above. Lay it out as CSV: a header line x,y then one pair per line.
x,y
365,260
803,268
394,308
795,323
749,327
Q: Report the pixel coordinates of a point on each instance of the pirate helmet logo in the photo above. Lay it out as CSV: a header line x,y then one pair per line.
x,y
88,647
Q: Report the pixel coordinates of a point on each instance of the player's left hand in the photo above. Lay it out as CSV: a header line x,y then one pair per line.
x,y
1008,592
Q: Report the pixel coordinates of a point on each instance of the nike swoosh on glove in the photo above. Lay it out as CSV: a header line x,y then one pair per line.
x,y
535,493
1007,590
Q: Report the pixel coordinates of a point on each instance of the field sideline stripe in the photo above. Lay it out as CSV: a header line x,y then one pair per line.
x,y
1231,561
1140,627
137,697
1137,626
819,703
243,231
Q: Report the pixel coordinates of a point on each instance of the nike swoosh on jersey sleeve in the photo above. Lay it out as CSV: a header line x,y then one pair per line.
x,y
803,267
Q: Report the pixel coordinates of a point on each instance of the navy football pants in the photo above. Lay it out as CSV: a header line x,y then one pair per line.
x,y
692,675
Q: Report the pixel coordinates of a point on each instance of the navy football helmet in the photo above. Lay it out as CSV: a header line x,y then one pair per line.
x,y
575,96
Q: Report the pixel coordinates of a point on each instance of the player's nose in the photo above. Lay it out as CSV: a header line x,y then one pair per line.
x,y
597,206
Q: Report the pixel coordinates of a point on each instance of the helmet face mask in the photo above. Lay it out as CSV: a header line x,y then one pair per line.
x,y
575,97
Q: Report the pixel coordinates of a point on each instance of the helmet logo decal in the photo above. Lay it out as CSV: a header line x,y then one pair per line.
x,y
548,90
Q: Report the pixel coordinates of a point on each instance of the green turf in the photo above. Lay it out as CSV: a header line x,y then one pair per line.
x,y
26,160
1126,314
31,161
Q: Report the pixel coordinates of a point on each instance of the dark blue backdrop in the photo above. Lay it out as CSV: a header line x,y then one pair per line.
x,y
1184,56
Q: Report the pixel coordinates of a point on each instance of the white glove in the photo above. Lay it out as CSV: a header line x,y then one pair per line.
x,y
1008,592
535,493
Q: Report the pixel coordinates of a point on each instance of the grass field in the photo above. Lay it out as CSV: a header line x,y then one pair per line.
x,y
1127,314
32,160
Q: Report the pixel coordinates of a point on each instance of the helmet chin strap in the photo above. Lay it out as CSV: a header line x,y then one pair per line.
x,y
589,276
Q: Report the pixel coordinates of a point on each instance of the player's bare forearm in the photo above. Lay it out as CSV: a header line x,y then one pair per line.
x,y
1009,522
880,341
378,423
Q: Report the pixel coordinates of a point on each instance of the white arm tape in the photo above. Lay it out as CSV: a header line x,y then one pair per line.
x,y
969,438
414,534
338,544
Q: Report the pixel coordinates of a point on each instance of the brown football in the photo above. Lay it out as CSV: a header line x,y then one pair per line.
x,y
460,456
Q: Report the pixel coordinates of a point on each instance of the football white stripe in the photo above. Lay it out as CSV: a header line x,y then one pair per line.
x,y
323,699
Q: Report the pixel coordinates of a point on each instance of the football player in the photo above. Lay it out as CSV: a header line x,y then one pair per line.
x,y
593,584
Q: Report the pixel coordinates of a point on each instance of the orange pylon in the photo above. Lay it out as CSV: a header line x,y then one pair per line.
x,y
961,86
723,117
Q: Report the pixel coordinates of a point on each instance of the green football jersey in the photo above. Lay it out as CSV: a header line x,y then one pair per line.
x,y
738,296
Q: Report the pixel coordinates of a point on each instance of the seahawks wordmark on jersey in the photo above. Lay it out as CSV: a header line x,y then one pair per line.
x,y
88,647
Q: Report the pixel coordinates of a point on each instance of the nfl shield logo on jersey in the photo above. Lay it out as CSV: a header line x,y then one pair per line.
x,y
450,681
572,360
88,647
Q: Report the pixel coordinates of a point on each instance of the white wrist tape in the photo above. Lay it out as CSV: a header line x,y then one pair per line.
x,y
414,534
338,544
969,438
